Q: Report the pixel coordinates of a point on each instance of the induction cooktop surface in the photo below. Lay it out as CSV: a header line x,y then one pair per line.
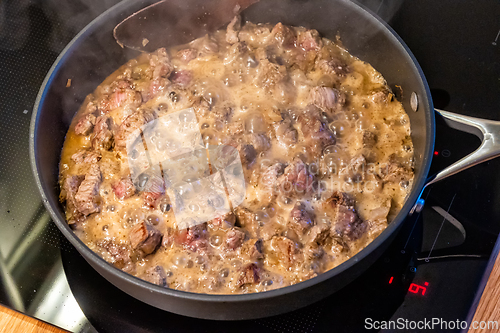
x,y
435,268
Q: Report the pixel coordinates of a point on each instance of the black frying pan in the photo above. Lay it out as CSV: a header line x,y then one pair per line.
x,y
93,55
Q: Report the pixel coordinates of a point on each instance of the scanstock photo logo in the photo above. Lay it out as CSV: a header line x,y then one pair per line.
x,y
202,182
430,324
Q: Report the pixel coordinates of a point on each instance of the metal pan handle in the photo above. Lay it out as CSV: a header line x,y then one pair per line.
x,y
486,130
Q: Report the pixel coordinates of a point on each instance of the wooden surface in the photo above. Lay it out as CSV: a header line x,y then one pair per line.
x,y
487,310
489,305
12,321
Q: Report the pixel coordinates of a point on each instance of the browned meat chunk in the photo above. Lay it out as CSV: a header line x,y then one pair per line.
x,y
303,60
382,97
270,74
284,35
161,64
103,137
248,33
296,179
310,40
151,199
327,99
87,197
395,173
130,125
85,125
122,81
196,232
300,219
198,245
86,157
369,139
145,237
156,275
319,234
225,221
339,245
285,249
304,51
208,108
313,251
109,165
332,66
285,132
253,249
347,223
193,238
124,188
261,53
249,274
78,156
70,187
259,141
155,87
316,133
232,30
91,106
186,55
153,189
339,199
269,177
68,192
103,104
356,169
118,255
246,219
124,97
234,238
182,78
220,113
247,154
92,157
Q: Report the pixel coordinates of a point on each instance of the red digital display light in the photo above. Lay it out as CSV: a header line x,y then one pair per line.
x,y
436,153
416,289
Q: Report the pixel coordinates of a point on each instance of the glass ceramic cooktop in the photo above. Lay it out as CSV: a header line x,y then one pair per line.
x,y
44,277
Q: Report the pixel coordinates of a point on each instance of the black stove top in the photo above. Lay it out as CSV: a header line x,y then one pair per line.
x,y
432,271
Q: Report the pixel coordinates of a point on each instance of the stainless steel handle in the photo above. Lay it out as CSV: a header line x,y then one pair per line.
x,y
489,133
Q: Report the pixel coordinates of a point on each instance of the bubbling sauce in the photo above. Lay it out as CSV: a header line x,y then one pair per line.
x,y
325,147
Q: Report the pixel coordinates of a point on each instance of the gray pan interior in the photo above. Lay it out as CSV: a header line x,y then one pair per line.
x,y
93,55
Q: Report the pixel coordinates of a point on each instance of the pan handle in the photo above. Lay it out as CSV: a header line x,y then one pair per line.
x,y
489,133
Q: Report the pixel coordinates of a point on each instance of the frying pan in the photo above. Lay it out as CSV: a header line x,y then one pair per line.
x,y
94,54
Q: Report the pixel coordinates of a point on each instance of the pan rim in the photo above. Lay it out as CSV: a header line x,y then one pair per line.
x,y
94,258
